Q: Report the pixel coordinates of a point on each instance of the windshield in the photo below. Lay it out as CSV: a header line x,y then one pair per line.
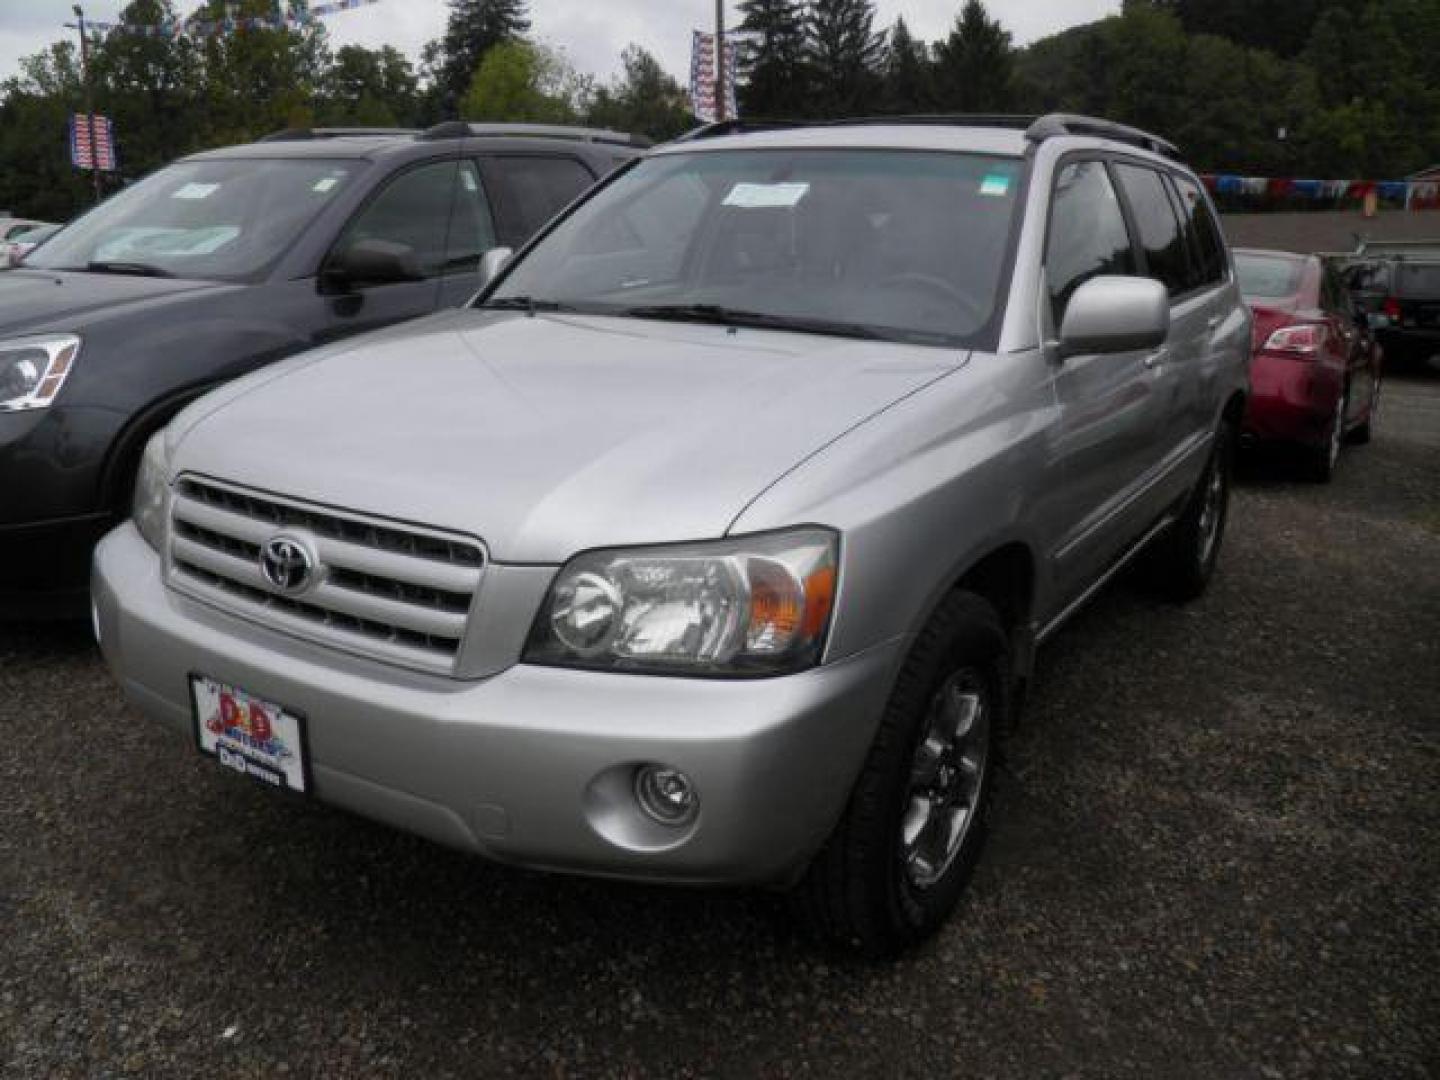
x,y
1269,276
902,245
225,220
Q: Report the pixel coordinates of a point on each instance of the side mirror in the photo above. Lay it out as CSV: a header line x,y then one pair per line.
x,y
492,262
372,262
1115,314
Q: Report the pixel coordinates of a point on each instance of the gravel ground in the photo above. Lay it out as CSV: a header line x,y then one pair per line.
x,y
1217,855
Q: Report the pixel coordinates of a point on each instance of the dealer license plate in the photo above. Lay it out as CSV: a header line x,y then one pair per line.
x,y
258,738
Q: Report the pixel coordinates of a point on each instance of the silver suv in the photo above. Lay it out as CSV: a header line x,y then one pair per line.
x,y
712,542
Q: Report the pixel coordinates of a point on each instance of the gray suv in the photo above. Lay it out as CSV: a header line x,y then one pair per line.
x,y
714,540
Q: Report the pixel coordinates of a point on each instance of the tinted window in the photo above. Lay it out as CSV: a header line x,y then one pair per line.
x,y
1203,232
225,219
1161,240
414,210
1418,280
535,189
1087,233
907,245
472,230
1267,275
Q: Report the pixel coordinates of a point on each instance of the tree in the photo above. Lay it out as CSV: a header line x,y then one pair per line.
x,y
974,65
845,55
909,80
644,101
522,81
369,87
474,28
777,77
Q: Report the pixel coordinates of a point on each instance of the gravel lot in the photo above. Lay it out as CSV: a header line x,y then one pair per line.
x,y
1218,855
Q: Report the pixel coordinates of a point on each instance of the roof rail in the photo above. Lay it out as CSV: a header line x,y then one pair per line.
x,y
1037,128
460,129
304,134
1053,125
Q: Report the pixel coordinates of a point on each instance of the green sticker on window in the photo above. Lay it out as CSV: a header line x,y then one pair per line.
x,y
995,184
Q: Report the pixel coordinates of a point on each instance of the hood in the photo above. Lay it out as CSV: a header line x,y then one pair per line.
x,y
551,434
62,300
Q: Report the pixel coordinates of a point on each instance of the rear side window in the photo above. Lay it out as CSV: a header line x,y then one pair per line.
x,y
1087,233
535,189
1419,280
1161,240
1203,231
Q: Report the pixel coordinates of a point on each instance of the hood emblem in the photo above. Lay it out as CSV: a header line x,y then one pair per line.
x,y
287,564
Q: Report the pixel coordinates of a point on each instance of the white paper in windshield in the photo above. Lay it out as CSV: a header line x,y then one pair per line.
x,y
752,196
196,191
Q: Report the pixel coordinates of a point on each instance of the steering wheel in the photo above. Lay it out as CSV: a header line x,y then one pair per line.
x,y
936,286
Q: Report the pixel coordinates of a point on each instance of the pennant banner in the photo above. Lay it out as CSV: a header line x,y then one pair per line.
x,y
1416,194
229,24
702,77
92,142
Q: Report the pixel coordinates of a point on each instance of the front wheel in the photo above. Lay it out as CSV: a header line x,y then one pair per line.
x,y
910,835
1183,559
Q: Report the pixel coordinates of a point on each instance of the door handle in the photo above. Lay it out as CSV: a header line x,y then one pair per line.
x,y
1212,322
1158,357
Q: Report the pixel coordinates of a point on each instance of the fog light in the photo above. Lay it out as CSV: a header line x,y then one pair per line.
x,y
666,794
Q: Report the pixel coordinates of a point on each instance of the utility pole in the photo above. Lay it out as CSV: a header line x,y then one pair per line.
x,y
79,24
720,60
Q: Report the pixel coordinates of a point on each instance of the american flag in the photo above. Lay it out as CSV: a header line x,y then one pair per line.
x,y
82,154
702,76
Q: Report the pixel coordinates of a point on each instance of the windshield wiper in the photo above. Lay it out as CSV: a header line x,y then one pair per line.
x,y
528,304
100,266
719,315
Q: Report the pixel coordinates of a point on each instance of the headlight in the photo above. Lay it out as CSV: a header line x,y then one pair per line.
x,y
755,605
151,506
33,369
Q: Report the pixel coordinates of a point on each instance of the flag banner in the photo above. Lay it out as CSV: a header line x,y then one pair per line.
x,y
1416,194
92,142
702,77
229,24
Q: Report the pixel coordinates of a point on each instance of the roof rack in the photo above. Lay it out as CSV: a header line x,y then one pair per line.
x,y
1055,124
460,129
305,134
1036,128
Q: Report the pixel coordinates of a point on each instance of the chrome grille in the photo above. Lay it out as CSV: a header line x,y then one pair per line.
x,y
396,592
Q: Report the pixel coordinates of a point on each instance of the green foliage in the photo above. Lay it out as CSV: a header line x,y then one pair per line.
x,y
368,88
908,75
777,76
522,81
643,101
973,66
844,55
473,29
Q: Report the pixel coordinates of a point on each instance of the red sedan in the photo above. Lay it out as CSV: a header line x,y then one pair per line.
x,y
1315,373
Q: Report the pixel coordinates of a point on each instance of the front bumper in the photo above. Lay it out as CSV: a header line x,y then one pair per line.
x,y
44,564
533,765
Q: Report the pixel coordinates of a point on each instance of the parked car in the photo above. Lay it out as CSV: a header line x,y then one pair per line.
x,y
712,541
223,262
1398,286
11,227
22,243
1316,369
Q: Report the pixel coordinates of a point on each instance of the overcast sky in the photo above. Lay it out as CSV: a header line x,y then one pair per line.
x,y
592,33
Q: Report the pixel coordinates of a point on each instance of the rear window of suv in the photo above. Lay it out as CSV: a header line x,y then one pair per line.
x,y
1267,275
1418,280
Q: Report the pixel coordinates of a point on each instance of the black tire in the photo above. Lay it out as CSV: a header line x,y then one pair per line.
x,y
1321,461
1183,558
1362,433
860,893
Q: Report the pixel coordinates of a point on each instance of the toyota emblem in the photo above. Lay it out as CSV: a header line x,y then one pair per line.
x,y
286,564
